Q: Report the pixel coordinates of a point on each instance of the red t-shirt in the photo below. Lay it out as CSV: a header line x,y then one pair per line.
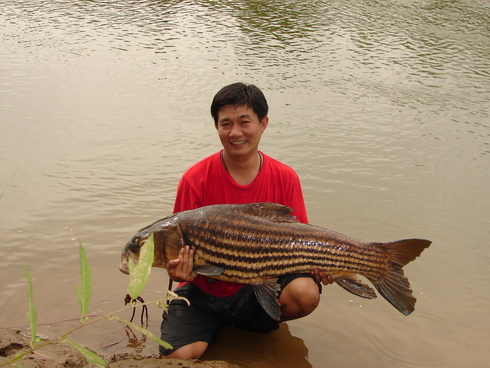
x,y
208,182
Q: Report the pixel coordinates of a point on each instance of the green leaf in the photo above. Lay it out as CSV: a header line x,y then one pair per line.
x,y
32,311
139,273
84,292
144,331
88,354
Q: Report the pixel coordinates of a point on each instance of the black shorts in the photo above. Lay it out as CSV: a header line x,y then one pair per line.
x,y
183,324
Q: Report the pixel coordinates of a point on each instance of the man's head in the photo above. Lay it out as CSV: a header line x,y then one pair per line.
x,y
240,94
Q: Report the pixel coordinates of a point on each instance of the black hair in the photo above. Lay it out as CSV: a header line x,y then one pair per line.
x,y
240,94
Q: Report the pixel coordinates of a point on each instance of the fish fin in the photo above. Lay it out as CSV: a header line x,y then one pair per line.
x,y
393,285
266,294
273,211
209,270
355,286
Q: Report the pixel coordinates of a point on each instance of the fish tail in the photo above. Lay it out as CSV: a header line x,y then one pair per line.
x,y
393,285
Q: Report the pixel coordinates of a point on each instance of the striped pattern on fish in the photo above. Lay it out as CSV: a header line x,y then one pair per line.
x,y
256,243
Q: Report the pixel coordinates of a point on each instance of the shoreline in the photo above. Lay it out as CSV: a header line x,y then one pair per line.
x,y
60,355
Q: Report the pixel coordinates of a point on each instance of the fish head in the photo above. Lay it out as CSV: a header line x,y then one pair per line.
x,y
168,240
131,251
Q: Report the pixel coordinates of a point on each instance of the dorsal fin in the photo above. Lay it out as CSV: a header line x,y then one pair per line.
x,y
273,211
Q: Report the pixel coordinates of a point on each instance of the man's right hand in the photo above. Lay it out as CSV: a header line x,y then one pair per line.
x,y
180,269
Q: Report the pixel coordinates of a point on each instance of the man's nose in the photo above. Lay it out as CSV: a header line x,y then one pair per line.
x,y
235,131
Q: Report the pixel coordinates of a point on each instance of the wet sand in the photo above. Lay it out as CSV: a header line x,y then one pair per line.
x,y
13,342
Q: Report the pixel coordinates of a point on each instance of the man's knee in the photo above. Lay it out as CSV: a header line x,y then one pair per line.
x,y
192,351
306,293
299,298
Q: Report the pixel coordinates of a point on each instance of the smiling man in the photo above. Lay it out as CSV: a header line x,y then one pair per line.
x,y
239,173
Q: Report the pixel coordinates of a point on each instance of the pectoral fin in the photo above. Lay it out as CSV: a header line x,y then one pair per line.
x,y
209,270
266,294
355,286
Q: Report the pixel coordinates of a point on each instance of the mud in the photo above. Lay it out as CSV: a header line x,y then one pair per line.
x,y
59,355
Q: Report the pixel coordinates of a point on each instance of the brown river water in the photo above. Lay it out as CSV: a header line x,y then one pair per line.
x,y
382,107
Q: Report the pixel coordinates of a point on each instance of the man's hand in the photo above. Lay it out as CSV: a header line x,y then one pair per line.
x,y
180,269
322,277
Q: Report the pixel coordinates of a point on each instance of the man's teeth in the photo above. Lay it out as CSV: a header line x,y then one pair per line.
x,y
238,142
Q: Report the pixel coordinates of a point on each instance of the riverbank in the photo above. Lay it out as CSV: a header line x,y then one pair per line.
x,y
14,341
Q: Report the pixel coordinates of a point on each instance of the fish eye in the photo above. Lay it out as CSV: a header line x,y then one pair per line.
x,y
133,247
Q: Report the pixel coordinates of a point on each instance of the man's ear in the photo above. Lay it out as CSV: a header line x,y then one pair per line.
x,y
264,122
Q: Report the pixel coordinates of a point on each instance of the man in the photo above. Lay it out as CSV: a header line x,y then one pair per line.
x,y
240,173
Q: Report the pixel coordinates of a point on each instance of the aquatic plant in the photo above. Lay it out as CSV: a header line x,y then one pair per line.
x,y
139,274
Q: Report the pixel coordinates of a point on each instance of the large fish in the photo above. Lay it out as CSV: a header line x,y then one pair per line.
x,y
256,243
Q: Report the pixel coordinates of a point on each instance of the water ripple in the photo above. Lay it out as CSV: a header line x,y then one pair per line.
x,y
381,106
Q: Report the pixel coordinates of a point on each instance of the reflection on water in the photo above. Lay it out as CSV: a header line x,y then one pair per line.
x,y
381,106
277,349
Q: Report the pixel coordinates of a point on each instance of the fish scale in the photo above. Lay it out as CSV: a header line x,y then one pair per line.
x,y
257,243
308,253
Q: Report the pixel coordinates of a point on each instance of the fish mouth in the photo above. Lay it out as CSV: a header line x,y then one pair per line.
x,y
125,255
124,265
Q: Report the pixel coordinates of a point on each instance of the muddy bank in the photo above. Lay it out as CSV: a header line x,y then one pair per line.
x,y
234,348
13,342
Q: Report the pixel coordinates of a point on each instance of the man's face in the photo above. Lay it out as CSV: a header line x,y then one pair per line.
x,y
239,130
